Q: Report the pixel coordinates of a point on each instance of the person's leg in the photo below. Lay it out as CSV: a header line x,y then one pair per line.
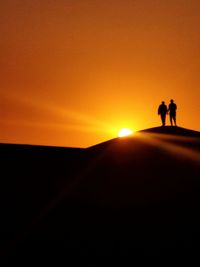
x,y
175,119
171,122
163,120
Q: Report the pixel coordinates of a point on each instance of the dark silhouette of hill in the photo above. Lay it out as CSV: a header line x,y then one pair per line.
x,y
140,191
172,130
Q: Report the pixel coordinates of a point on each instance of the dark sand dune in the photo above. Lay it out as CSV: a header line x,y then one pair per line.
x,y
134,192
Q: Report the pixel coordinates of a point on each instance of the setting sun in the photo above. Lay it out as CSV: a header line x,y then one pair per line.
x,y
124,132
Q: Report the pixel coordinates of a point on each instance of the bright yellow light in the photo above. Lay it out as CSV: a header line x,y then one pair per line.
x,y
124,132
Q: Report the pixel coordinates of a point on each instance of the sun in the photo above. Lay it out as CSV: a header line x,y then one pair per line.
x,y
125,132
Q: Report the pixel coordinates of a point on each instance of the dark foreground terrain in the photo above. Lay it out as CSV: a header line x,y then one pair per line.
x,y
110,199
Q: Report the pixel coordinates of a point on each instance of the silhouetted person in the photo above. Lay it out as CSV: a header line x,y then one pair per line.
x,y
162,111
172,112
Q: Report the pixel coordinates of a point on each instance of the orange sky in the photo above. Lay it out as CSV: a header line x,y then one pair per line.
x,y
73,72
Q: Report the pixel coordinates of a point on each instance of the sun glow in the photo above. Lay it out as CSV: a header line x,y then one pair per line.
x,y
125,132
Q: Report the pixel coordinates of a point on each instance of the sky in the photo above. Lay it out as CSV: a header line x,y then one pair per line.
x,y
74,72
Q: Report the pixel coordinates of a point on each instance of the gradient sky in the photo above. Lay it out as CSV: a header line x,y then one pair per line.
x,y
73,72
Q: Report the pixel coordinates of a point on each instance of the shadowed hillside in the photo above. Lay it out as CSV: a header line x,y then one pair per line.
x,y
138,191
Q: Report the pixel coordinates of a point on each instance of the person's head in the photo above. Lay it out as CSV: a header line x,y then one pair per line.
x,y
172,101
163,102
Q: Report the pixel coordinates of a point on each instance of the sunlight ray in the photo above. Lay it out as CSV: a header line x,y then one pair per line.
x,y
174,149
84,120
